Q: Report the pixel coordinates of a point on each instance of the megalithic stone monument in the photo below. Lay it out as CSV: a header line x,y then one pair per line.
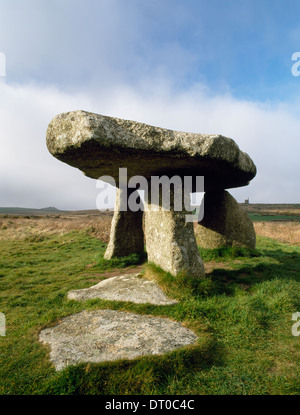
x,y
100,145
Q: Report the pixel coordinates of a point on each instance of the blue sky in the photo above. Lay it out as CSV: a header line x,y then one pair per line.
x,y
242,45
208,66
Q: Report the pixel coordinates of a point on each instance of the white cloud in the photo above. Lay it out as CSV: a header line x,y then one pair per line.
x,y
269,134
134,60
70,43
31,177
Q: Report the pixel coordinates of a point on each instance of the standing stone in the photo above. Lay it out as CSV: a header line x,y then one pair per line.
x,y
126,234
224,223
170,240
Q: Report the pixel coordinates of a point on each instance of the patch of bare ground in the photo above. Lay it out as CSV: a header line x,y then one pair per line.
x,y
287,232
94,277
23,227
212,265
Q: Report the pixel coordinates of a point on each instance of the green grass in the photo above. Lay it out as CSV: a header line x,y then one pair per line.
x,y
121,262
226,253
241,313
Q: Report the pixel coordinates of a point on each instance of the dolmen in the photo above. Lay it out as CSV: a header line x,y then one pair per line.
x,y
167,166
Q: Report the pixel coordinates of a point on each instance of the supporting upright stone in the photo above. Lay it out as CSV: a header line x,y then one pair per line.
x,y
126,234
170,240
224,223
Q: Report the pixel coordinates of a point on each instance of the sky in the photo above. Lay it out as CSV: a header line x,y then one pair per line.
x,y
207,66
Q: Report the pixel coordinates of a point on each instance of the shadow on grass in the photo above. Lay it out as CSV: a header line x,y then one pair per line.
x,y
272,264
121,262
227,253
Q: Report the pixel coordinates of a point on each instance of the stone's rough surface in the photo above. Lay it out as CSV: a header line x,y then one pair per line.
x,y
106,335
171,244
128,287
99,145
170,240
126,233
225,223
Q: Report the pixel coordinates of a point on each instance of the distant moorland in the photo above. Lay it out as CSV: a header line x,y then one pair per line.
x,y
257,211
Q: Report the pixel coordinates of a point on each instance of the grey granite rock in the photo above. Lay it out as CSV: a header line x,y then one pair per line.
x,y
126,233
224,223
128,287
170,239
108,335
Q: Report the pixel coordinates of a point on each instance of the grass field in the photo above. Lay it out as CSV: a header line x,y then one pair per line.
x,y
242,313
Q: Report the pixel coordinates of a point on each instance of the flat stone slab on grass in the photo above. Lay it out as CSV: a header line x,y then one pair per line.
x,y
108,335
128,287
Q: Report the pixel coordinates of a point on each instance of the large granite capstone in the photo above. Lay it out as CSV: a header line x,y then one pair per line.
x,y
99,145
